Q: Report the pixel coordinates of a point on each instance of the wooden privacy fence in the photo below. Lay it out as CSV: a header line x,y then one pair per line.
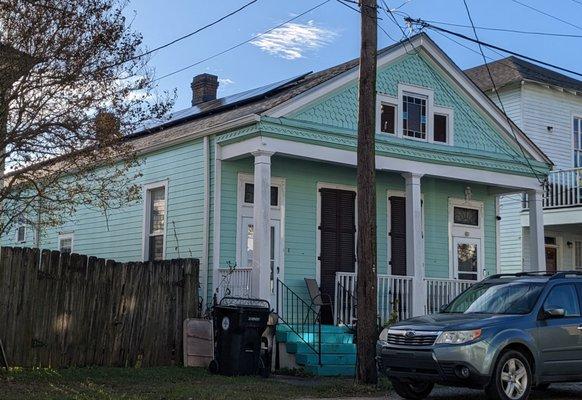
x,y
64,310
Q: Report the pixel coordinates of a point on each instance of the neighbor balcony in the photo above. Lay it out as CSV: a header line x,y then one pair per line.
x,y
563,189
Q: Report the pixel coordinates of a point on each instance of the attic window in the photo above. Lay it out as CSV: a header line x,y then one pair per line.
x,y
441,128
414,118
388,118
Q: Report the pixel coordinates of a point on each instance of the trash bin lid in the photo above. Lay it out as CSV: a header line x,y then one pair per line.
x,y
241,302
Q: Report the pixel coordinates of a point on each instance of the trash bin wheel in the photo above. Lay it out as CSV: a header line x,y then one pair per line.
x,y
213,367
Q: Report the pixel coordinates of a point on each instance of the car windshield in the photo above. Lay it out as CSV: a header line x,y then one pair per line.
x,y
497,298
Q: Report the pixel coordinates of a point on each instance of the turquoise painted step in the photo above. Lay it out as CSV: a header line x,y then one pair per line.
x,y
312,338
314,328
331,370
326,359
326,348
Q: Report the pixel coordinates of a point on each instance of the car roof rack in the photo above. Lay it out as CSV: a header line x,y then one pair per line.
x,y
566,274
521,274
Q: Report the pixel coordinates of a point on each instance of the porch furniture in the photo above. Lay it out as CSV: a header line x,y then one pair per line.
x,y
318,299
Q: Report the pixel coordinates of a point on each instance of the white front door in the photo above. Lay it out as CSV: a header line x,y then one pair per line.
x,y
268,279
467,258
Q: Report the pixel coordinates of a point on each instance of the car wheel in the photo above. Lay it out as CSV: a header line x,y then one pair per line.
x,y
512,378
412,391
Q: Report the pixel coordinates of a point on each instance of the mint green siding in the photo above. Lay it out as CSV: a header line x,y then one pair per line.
x,y
301,181
119,234
472,130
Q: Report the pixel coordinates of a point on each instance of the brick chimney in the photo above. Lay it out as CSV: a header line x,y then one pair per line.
x,y
204,88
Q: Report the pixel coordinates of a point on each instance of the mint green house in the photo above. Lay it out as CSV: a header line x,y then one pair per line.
x,y
261,186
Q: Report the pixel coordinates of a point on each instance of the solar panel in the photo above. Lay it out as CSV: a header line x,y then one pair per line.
x,y
221,104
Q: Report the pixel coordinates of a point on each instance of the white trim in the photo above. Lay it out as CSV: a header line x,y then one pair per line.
x,y
203,273
65,236
450,70
147,215
497,235
217,214
467,232
337,186
575,116
347,157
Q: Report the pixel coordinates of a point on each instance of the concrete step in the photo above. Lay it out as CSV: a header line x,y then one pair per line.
x,y
331,370
287,336
326,348
326,359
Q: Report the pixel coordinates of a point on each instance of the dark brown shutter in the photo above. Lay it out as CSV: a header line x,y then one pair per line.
x,y
338,231
398,235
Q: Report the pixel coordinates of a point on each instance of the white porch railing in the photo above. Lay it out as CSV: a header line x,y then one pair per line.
x,y
563,189
394,296
441,291
234,282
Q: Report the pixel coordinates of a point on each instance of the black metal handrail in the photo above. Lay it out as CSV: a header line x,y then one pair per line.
x,y
300,317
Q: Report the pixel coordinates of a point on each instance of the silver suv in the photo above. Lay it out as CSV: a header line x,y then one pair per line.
x,y
506,334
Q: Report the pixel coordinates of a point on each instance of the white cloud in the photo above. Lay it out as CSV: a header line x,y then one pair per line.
x,y
225,81
292,40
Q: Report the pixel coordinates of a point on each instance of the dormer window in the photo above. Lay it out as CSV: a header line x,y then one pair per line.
x,y
413,115
414,112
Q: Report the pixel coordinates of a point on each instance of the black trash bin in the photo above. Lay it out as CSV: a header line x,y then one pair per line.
x,y
238,326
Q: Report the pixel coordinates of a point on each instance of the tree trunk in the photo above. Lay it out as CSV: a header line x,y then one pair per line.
x,y
367,278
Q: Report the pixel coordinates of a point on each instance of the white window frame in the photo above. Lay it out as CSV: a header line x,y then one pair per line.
x,y
65,236
382,99
147,216
470,233
431,110
21,223
574,118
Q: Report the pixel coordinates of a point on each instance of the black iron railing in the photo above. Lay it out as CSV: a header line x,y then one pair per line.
x,y
301,318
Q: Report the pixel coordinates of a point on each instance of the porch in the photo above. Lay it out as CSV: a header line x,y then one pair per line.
x,y
398,296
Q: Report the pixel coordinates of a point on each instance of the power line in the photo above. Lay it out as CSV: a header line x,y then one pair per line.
x,y
241,43
485,28
230,14
427,25
547,14
496,91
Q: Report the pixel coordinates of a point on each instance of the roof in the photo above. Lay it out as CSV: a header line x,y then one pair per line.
x,y
513,70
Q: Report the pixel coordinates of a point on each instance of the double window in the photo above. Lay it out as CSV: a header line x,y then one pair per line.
x,y
155,221
413,115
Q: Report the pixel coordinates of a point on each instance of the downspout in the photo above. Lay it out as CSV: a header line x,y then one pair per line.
x,y
205,226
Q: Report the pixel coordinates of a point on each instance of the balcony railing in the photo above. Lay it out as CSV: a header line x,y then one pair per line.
x,y
440,292
563,189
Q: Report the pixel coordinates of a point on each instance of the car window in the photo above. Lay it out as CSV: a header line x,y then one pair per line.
x,y
563,296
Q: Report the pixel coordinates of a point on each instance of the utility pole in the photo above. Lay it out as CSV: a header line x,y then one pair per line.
x,y
367,330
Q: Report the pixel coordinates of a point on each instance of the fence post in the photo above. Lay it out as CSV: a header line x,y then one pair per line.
x,y
190,288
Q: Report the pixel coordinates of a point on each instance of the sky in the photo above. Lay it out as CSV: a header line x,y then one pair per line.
x,y
330,35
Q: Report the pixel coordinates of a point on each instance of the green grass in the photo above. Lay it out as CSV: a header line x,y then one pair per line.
x,y
168,383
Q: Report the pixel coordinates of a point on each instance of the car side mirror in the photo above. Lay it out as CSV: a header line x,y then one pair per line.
x,y
554,313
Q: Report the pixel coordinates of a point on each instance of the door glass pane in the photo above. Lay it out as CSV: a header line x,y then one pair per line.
x,y
467,260
564,297
250,233
249,195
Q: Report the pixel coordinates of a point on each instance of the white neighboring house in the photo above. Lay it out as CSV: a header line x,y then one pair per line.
x,y
547,106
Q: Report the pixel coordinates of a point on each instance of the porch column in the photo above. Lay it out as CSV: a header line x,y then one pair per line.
x,y
537,258
261,223
415,242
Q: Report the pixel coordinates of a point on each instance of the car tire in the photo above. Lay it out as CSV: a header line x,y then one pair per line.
x,y
512,378
412,391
